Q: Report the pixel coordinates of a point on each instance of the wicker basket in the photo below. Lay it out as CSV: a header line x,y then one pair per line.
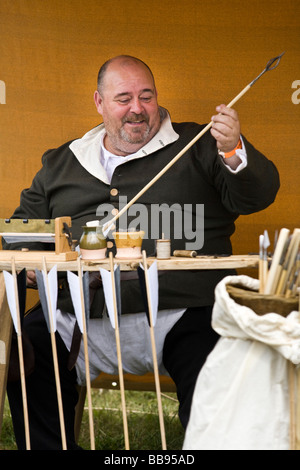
x,y
261,303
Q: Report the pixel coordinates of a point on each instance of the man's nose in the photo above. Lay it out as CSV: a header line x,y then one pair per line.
x,y
136,106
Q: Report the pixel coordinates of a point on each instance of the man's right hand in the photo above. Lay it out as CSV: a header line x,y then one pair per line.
x,y
31,279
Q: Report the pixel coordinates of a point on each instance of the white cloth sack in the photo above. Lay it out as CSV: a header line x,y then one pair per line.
x,y
241,398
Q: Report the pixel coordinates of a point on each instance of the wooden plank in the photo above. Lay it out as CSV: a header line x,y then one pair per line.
x,y
134,382
24,259
67,262
5,342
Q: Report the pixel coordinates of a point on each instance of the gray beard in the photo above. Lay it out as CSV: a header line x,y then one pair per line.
x,y
120,142
140,137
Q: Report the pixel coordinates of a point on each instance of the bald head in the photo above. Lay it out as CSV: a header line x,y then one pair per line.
x,y
119,62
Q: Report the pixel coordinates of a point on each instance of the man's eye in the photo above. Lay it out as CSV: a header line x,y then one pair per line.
x,y
146,98
125,101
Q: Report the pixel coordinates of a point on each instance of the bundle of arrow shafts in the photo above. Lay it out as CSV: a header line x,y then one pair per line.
x,y
282,275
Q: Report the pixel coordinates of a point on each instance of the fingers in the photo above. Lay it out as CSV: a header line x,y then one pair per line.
x,y
226,128
225,111
31,279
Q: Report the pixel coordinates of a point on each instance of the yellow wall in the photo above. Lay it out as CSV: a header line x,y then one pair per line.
x,y
202,54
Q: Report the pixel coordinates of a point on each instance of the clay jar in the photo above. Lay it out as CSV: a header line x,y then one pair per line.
x,y
92,243
128,244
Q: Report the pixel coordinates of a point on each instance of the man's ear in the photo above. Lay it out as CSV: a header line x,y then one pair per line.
x,y
98,101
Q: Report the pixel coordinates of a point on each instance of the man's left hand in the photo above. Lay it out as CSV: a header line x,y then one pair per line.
x,y
226,128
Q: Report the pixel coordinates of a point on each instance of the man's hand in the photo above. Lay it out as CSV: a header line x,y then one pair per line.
x,y
31,279
226,128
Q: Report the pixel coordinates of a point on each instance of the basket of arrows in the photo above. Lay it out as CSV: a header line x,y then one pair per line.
x,y
279,284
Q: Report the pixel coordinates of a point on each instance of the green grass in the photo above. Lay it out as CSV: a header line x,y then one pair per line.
x,y
142,417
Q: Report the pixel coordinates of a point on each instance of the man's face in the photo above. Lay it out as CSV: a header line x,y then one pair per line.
x,y
128,105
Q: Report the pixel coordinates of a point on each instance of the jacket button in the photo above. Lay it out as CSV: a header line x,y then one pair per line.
x,y
114,192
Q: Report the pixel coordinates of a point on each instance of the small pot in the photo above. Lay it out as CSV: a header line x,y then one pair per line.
x,y
128,244
92,243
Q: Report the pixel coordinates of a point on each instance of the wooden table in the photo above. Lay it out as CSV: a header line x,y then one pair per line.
x,y
33,260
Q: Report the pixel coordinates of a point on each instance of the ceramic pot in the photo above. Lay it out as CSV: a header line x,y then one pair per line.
x,y
128,244
92,243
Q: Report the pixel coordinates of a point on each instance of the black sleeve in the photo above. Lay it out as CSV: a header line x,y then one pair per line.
x,y
251,189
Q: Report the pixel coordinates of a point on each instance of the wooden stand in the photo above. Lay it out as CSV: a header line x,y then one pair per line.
x,y
31,260
28,230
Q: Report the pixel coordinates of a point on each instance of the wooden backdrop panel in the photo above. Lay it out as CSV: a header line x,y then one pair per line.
x,y
202,54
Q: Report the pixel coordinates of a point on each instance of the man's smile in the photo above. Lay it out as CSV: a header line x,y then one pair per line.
x,y
135,123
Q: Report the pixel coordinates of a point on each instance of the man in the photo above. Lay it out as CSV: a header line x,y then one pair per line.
x,y
82,178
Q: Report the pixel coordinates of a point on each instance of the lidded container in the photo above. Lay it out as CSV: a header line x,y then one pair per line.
x,y
93,243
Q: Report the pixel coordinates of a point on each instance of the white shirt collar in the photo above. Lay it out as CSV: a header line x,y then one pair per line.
x,y
87,149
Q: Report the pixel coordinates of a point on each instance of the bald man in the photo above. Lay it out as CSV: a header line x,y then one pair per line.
x,y
220,177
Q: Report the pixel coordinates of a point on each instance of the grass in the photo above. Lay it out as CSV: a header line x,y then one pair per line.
x,y
142,417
